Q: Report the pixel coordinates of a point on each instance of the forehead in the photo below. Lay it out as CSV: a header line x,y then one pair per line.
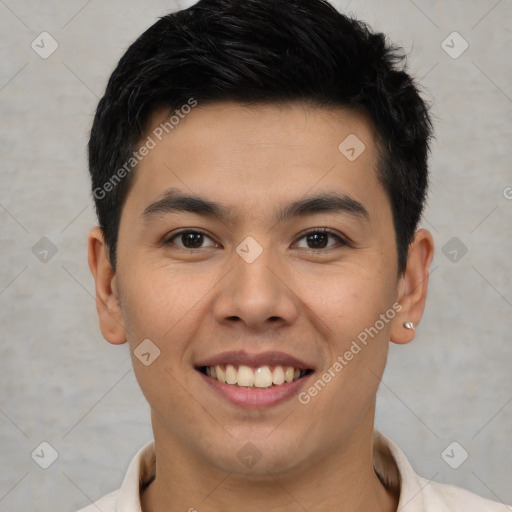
x,y
249,154
288,126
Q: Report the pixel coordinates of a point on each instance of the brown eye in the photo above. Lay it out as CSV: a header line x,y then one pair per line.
x,y
190,240
317,240
320,239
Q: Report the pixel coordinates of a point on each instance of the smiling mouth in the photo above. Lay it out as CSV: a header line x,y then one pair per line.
x,y
254,377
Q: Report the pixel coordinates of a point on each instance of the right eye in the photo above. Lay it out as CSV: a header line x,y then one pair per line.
x,y
190,239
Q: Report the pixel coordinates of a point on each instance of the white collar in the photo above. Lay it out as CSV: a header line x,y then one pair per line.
x,y
416,493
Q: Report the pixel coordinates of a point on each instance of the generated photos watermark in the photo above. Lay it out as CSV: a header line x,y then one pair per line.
x,y
144,149
355,348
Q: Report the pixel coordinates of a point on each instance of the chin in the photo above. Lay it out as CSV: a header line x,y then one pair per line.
x,y
255,457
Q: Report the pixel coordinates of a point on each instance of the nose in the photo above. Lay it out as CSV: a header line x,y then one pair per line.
x,y
257,295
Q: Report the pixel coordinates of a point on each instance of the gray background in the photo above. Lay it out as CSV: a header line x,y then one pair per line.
x,y
63,384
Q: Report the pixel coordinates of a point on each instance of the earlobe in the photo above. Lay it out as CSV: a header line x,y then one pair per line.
x,y
413,287
107,295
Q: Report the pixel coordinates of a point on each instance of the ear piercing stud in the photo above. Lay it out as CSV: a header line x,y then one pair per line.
x,y
408,325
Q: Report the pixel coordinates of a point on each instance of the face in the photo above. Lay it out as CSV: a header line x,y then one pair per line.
x,y
250,242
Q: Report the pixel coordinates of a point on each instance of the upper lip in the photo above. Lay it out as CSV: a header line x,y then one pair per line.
x,y
238,358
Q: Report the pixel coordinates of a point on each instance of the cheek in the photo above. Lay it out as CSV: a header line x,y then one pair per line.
x,y
357,308
167,304
162,305
349,300
160,300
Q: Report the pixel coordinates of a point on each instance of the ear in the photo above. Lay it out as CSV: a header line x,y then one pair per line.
x,y
412,286
107,297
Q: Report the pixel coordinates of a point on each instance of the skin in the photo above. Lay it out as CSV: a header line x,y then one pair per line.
x,y
195,303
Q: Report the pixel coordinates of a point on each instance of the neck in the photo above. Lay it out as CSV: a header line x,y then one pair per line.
x,y
343,480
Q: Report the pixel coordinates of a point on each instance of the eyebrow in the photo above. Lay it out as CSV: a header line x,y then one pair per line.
x,y
174,201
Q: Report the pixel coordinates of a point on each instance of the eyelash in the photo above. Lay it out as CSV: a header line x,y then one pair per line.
x,y
341,240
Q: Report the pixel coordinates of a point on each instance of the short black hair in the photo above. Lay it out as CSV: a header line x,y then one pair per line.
x,y
258,52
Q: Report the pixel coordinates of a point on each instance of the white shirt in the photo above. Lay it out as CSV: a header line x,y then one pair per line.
x,y
416,493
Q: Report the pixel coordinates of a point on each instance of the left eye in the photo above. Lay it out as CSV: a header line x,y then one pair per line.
x,y
320,240
191,240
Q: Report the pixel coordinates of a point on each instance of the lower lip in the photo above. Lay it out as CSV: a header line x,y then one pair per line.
x,y
255,398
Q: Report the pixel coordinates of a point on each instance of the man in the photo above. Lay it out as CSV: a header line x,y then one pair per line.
x,y
259,169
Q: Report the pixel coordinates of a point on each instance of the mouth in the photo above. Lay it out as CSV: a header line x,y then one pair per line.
x,y
260,377
254,380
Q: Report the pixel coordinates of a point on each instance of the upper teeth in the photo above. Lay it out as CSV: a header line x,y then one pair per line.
x,y
260,377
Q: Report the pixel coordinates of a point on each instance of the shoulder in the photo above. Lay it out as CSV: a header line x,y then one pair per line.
x,y
105,504
417,494
449,498
127,498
